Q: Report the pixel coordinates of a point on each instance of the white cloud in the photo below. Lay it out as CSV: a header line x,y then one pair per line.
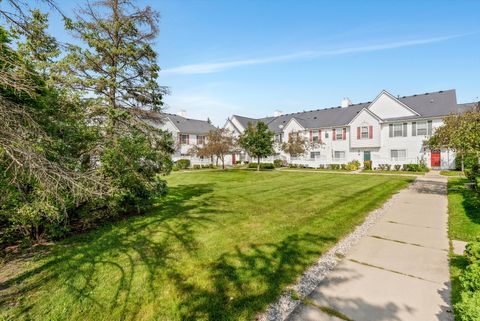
x,y
213,67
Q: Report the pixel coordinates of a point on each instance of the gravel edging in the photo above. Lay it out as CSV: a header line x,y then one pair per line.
x,y
312,277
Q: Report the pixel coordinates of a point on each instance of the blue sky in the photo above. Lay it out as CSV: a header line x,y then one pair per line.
x,y
253,57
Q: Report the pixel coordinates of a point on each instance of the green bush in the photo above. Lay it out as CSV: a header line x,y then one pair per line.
x,y
472,251
421,167
262,165
470,278
468,308
197,166
321,166
278,163
174,168
367,165
397,167
183,163
468,161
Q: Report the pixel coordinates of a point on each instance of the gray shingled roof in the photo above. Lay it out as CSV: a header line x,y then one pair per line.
x,y
433,104
190,126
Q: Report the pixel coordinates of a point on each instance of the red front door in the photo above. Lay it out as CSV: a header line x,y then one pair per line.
x,y
233,159
435,158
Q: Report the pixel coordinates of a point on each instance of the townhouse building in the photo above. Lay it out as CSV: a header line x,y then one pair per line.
x,y
186,133
387,130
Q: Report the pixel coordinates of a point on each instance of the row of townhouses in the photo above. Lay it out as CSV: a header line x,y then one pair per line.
x,y
388,130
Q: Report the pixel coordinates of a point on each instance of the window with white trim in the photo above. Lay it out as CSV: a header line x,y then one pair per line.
x,y
364,132
397,130
339,155
184,138
326,134
200,139
339,134
421,128
398,154
278,138
314,155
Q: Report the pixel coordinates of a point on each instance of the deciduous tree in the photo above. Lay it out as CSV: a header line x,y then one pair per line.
x,y
460,132
219,143
257,141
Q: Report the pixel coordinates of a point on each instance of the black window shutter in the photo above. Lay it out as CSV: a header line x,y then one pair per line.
x,y
429,127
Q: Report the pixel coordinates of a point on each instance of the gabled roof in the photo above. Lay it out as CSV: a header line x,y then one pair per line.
x,y
190,126
434,104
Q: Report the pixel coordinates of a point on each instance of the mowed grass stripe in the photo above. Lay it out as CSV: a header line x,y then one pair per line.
x,y
220,246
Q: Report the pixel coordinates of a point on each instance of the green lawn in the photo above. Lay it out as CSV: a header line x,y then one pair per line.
x,y
392,172
464,225
463,210
221,246
452,173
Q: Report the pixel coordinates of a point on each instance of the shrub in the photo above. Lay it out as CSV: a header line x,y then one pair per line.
x,y
238,162
262,165
472,251
367,165
196,166
468,308
183,163
470,278
353,165
321,166
279,163
334,166
397,167
421,167
384,167
343,166
468,161
174,168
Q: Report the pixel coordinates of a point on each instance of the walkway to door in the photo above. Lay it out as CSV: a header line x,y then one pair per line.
x,y
399,271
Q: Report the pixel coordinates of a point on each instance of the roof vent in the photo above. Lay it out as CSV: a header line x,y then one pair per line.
x,y
431,100
182,113
345,102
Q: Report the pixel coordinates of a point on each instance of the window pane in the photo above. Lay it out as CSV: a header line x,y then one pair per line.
x,y
364,131
397,130
422,128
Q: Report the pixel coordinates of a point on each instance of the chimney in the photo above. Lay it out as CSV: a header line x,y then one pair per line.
x,y
277,113
182,113
345,102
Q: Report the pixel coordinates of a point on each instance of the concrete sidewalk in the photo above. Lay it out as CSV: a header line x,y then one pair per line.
x,y
399,271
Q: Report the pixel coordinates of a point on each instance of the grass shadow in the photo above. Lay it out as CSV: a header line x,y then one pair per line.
x,y
146,242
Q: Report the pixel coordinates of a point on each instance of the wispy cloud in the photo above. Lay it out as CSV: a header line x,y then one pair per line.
x,y
213,67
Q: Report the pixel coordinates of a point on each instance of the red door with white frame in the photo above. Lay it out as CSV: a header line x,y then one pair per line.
x,y
234,160
435,158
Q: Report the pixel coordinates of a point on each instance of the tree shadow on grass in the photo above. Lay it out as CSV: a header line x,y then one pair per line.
x,y
245,280
117,251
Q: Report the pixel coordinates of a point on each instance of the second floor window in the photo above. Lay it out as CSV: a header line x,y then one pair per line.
x,y
279,138
339,133
200,140
184,138
397,130
364,132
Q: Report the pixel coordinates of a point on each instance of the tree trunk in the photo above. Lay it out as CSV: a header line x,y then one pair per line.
x,y
463,165
223,162
258,164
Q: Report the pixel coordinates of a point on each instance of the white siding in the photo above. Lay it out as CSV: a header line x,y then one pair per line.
x,y
385,106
